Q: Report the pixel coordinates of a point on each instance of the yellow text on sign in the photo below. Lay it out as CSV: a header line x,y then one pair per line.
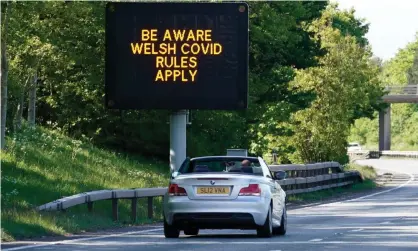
x,y
176,75
188,35
177,52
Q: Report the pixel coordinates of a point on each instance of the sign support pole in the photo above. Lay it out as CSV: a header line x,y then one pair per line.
x,y
177,139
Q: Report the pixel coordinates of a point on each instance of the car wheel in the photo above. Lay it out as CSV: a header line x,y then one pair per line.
x,y
283,224
170,231
191,231
267,229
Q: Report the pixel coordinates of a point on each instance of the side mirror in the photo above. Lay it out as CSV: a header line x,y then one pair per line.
x,y
174,174
280,175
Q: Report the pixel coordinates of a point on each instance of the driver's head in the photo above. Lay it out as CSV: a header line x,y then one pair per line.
x,y
245,163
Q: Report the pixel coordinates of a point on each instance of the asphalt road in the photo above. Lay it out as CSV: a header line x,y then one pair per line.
x,y
387,220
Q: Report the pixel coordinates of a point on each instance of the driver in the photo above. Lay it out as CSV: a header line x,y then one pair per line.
x,y
245,163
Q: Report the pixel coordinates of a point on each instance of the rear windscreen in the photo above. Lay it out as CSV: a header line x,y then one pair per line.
x,y
243,166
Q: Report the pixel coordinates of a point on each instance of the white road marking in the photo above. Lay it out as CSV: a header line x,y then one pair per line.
x,y
316,240
357,230
82,239
366,214
411,179
412,243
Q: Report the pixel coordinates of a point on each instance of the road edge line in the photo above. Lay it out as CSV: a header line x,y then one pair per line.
x,y
81,239
411,179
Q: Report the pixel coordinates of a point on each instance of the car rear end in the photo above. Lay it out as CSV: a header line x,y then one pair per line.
x,y
354,146
216,201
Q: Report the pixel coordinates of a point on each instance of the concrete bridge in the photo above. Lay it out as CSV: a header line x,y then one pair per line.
x,y
396,94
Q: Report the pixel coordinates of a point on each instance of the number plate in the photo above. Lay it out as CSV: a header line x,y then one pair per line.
x,y
213,190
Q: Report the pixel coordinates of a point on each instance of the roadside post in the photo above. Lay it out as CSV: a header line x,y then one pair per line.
x,y
274,155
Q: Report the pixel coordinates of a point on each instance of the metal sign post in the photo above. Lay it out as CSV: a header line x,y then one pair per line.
x,y
177,139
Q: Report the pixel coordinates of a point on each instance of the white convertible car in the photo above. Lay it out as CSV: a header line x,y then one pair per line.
x,y
224,192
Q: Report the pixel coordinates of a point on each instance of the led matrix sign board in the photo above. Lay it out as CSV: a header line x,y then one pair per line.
x,y
177,55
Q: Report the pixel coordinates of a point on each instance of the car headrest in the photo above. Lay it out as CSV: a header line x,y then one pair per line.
x,y
235,170
201,168
247,169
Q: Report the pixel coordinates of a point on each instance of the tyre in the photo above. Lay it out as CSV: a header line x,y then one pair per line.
x,y
191,231
170,231
283,224
267,229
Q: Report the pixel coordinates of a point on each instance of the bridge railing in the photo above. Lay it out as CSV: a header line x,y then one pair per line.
x,y
402,90
399,154
370,154
300,179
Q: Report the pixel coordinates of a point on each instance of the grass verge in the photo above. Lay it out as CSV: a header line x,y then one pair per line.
x,y
367,172
40,166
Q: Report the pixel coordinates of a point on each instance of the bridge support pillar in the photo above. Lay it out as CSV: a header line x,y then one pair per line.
x,y
384,129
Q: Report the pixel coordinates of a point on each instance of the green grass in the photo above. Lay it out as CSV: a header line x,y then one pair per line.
x,y
367,172
40,166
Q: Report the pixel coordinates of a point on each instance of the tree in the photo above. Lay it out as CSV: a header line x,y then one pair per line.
x,y
28,50
346,87
398,71
68,38
278,46
6,9
413,71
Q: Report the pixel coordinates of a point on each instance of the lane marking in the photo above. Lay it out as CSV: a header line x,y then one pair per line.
x,y
411,179
82,239
314,240
140,244
356,230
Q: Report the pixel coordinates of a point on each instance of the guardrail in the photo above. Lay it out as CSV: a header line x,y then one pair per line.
x,y
114,195
305,178
300,179
366,154
400,154
401,94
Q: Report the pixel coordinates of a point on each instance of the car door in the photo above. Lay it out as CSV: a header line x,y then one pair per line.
x,y
274,188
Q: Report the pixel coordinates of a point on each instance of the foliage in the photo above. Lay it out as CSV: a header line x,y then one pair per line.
x,y
346,87
5,17
41,166
278,45
68,38
412,73
64,42
398,71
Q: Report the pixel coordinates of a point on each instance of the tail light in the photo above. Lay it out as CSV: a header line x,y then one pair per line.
x,y
251,190
175,190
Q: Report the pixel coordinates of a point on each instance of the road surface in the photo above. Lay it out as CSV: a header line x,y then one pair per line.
x,y
387,220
